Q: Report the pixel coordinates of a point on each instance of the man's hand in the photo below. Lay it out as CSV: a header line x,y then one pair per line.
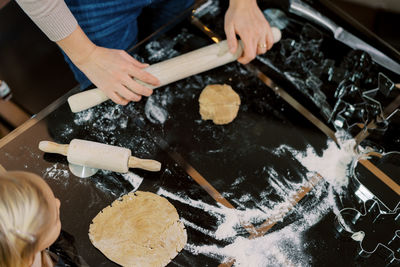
x,y
112,71
245,19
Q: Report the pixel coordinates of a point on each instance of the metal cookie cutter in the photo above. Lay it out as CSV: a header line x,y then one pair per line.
x,y
375,184
377,176
375,230
357,107
82,171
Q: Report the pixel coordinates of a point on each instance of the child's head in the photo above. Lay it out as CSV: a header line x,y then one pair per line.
x,y
29,217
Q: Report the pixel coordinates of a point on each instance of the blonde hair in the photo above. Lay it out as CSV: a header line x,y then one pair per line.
x,y
24,214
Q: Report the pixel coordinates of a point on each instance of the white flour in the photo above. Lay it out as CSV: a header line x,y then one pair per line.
x,y
160,51
154,112
66,131
275,249
105,122
83,116
334,164
280,248
56,172
283,247
134,179
104,119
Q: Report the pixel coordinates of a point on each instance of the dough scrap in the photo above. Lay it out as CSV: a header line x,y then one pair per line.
x,y
219,103
139,229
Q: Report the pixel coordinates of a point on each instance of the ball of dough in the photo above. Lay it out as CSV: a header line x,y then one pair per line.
x,y
219,103
139,229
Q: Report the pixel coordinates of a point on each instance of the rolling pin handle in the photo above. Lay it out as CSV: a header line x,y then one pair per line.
x,y
145,164
87,99
51,147
276,34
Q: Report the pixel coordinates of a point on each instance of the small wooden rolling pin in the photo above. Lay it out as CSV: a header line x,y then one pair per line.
x,y
99,156
172,70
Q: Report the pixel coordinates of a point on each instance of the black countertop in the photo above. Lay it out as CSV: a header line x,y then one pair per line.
x,y
264,163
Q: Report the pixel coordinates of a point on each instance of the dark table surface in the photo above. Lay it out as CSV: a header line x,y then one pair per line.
x,y
255,162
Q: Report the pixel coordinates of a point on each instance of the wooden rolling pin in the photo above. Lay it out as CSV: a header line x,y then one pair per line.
x,y
99,156
172,70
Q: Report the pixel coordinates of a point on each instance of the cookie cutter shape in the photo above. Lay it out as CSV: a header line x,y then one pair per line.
x,y
356,106
377,231
377,176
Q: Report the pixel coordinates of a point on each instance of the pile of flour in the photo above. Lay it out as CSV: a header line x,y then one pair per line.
x,y
334,164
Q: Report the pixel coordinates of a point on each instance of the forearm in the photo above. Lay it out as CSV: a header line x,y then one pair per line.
x,y
53,17
77,46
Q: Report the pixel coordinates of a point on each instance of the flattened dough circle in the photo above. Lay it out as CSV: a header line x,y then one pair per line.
x,y
219,103
140,229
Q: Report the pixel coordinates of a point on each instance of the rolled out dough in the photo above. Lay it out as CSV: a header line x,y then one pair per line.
x,y
140,229
219,103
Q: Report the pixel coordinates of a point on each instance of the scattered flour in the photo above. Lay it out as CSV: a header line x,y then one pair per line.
x,y
103,124
159,51
134,179
154,112
283,247
238,180
66,131
56,172
334,165
269,250
83,116
103,118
